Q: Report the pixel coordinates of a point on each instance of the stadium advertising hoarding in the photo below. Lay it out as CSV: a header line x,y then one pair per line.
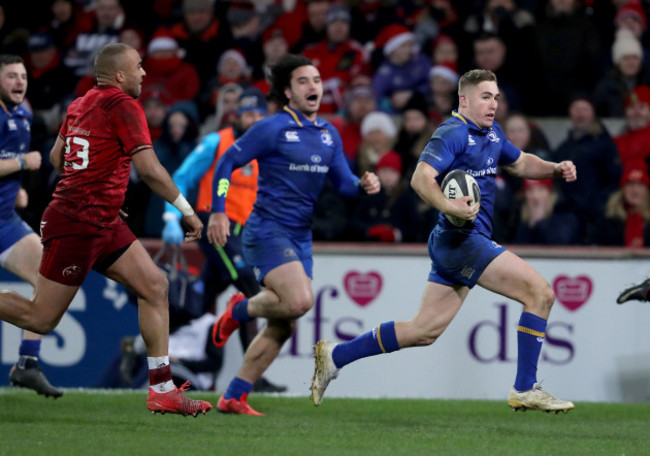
x,y
595,350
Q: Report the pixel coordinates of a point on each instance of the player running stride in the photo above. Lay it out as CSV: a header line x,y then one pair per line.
x,y
103,132
20,247
463,257
295,151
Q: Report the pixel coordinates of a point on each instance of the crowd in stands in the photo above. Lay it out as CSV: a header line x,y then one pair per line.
x,y
390,71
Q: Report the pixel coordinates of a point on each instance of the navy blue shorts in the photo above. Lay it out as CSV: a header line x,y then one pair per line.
x,y
268,245
460,256
12,230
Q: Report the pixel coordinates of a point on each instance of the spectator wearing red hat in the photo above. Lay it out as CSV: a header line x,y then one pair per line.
x,y
404,71
631,15
390,215
524,134
338,58
540,223
626,219
627,73
633,144
275,44
168,78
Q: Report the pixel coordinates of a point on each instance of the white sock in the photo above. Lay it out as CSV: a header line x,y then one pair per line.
x,y
156,362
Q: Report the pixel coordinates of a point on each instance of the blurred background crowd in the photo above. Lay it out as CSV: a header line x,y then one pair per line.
x,y
390,71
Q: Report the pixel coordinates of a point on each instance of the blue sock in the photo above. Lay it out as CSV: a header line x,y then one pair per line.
x,y
30,348
240,311
381,339
237,388
530,336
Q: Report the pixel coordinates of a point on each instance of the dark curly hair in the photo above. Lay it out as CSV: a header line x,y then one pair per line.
x,y
281,75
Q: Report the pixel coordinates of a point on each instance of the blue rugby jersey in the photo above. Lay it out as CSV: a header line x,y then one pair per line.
x,y
294,155
460,144
15,137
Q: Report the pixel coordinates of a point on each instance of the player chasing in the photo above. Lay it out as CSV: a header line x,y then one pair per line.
x,y
103,132
462,257
20,247
295,151
638,292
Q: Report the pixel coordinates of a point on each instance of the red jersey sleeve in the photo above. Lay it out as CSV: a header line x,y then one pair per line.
x,y
129,123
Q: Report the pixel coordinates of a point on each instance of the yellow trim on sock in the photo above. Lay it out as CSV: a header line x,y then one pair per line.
x,y
383,350
532,332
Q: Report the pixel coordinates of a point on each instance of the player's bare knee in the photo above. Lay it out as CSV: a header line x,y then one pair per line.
x,y
156,287
542,300
300,305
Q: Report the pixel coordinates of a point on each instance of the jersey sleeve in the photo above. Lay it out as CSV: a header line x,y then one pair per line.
x,y
194,167
130,125
339,173
442,148
509,153
254,144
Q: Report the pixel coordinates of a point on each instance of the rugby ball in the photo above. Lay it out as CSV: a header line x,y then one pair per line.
x,y
456,184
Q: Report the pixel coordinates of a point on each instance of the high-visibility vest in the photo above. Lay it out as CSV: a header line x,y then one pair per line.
x,y
242,192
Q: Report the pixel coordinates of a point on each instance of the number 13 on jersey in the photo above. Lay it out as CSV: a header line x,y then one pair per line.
x,y
81,153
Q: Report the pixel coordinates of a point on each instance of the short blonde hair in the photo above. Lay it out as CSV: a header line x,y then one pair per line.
x,y
474,78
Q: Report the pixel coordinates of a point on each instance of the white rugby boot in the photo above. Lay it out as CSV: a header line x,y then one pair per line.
x,y
537,399
324,370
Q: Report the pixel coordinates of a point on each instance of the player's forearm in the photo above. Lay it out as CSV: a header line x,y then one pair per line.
x,y
425,185
533,167
10,166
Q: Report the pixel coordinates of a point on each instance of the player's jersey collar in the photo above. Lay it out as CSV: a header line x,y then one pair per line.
x,y
298,117
5,108
470,123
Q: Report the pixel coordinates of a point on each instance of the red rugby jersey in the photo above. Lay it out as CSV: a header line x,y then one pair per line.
x,y
102,130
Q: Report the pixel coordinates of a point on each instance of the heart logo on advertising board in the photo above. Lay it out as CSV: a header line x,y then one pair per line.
x,y
361,287
572,292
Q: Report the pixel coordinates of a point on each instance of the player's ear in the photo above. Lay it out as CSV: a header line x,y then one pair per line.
x,y
119,76
287,93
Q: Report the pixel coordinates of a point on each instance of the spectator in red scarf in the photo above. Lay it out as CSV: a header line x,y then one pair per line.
x,y
627,214
168,77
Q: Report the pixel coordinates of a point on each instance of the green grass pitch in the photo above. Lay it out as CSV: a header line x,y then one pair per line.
x,y
92,422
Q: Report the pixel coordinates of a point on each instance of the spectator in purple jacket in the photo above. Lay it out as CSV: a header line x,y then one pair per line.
x,y
405,70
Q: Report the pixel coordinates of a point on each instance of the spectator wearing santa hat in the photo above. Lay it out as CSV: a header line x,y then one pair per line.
x,y
626,220
379,133
232,67
168,78
405,70
627,73
633,143
338,58
390,215
443,83
540,223
631,15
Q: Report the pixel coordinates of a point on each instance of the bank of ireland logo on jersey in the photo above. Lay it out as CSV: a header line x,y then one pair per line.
x,y
291,136
326,138
316,158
